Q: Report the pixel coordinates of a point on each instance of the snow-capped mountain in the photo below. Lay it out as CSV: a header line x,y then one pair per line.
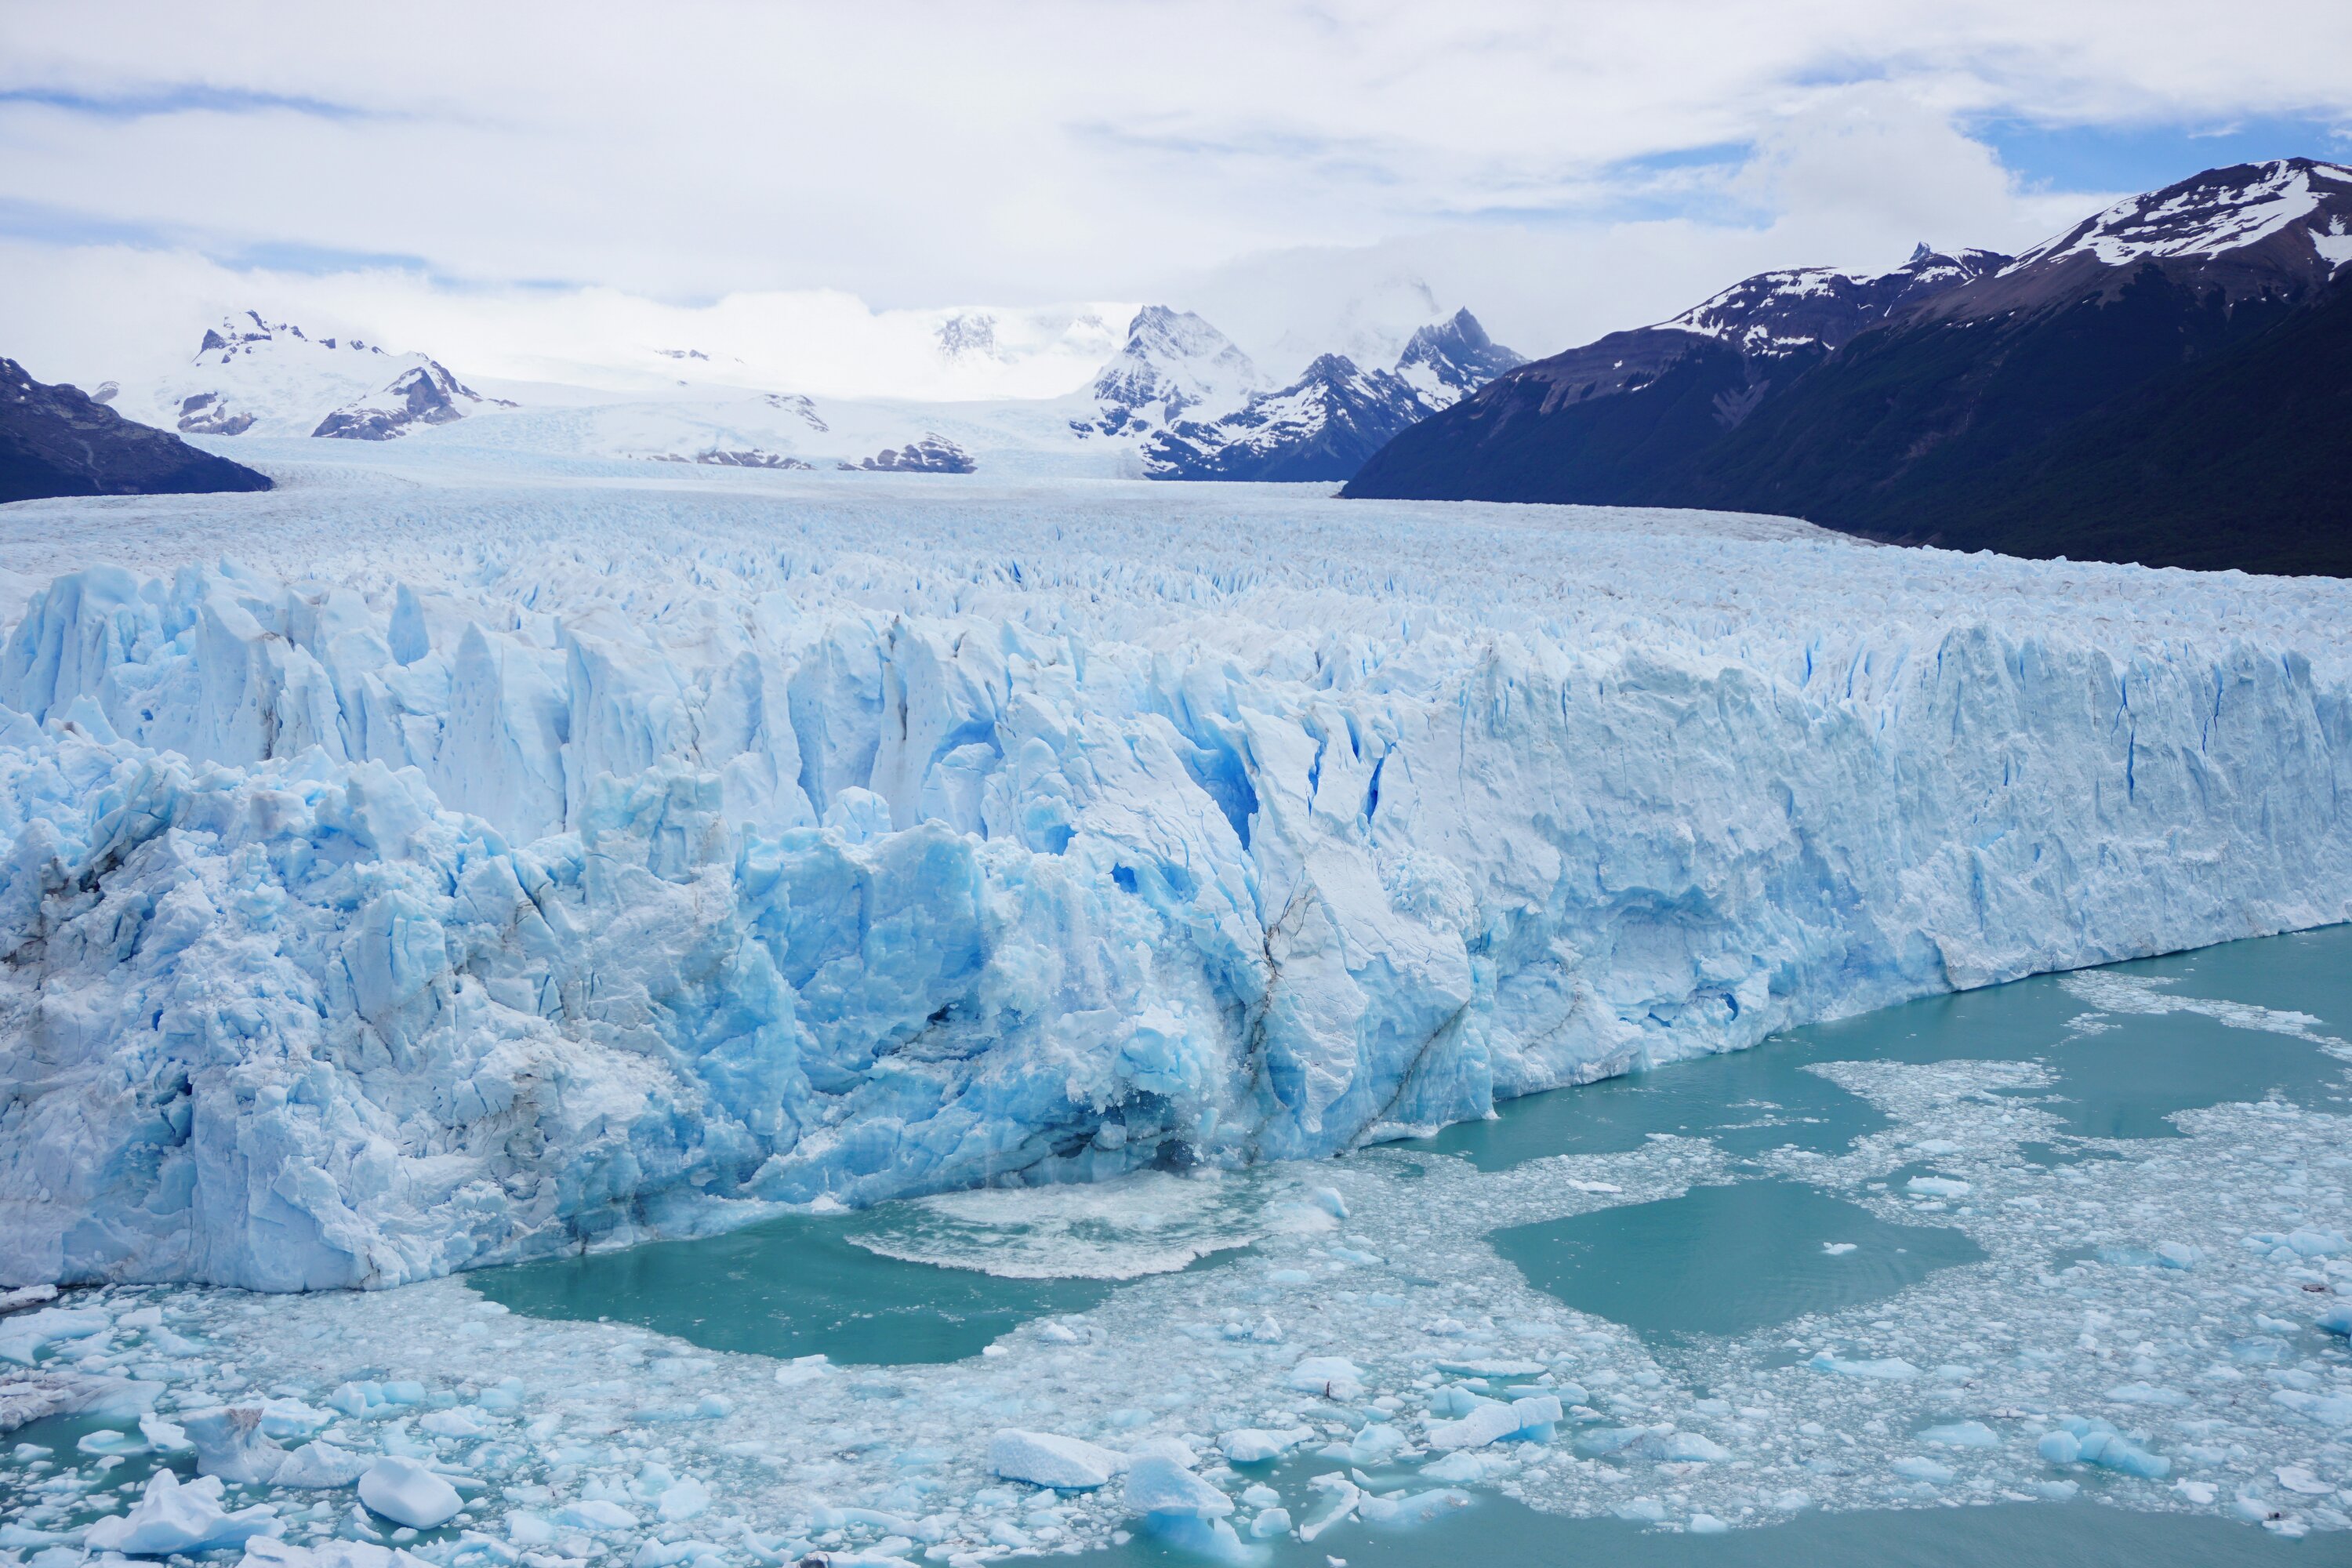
x,y
1172,365
1326,423
1775,315
2067,402
1446,361
1322,427
2284,224
252,376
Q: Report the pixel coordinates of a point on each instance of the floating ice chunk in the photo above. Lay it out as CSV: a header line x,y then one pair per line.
x,y
2179,1255
1257,1445
105,1443
1921,1469
231,1443
1174,1449
1492,1368
2314,1243
1839,1248
1328,1200
1962,1434
1269,1523
2059,1448
598,1515
2199,1493
1889,1369
689,1498
1158,1485
2103,1445
2337,1320
458,1422
1420,1508
284,1418
1691,1447
802,1369
24,1336
1334,1377
2299,1480
1706,1524
402,1491
1792,1501
1467,1465
2327,1409
1938,1186
1052,1459
1375,1444
171,1517
1531,1419
319,1464
164,1436
1642,1511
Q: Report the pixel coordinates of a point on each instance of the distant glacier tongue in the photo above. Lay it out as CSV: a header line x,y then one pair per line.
x,y
387,919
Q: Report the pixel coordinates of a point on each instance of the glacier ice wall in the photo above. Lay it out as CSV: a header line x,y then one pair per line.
x,y
361,926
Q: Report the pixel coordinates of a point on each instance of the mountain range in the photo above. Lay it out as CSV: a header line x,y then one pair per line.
x,y
2167,382
1326,423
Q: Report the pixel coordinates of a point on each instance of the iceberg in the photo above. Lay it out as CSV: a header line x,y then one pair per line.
x,y
393,907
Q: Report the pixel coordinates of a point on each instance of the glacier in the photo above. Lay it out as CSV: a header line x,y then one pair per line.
x,y
456,857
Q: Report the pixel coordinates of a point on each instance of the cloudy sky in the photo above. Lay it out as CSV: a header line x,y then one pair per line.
x,y
516,186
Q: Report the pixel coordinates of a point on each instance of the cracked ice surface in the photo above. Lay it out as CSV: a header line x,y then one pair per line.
x,y
501,858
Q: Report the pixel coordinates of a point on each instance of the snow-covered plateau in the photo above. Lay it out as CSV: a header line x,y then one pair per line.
x,y
452,856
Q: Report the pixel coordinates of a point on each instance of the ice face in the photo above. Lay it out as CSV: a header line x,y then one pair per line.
x,y
489,870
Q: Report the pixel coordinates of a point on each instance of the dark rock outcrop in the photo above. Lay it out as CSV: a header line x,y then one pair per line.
x,y
56,441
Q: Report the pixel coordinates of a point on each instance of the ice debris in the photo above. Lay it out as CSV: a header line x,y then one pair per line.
x,y
171,1518
1052,1459
407,1491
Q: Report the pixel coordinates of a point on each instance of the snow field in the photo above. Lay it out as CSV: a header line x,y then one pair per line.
x,y
501,858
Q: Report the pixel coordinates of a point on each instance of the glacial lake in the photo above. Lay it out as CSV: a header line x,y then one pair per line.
x,y
1833,1293
2123,1050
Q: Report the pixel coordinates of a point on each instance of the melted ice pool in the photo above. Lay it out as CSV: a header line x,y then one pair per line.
x,y
2064,1249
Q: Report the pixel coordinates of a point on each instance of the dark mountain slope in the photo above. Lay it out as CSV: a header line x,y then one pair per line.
x,y
1872,440
1620,421
2244,460
54,441
2184,349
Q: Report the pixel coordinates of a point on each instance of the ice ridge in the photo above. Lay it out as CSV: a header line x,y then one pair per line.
x,y
352,933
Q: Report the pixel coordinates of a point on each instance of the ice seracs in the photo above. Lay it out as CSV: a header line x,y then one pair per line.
x,y
646,859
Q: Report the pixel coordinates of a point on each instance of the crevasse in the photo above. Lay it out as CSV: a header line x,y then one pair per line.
x,y
351,933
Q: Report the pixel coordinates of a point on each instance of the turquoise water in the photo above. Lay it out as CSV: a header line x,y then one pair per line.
x,y
1743,1193
794,1286
1727,1259
2118,1082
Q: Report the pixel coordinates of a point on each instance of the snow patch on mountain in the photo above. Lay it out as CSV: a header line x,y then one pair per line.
x,y
1775,314
2210,214
1172,364
258,377
1446,361
1324,425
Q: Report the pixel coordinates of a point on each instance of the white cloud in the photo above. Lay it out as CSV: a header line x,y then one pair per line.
x,y
1526,158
